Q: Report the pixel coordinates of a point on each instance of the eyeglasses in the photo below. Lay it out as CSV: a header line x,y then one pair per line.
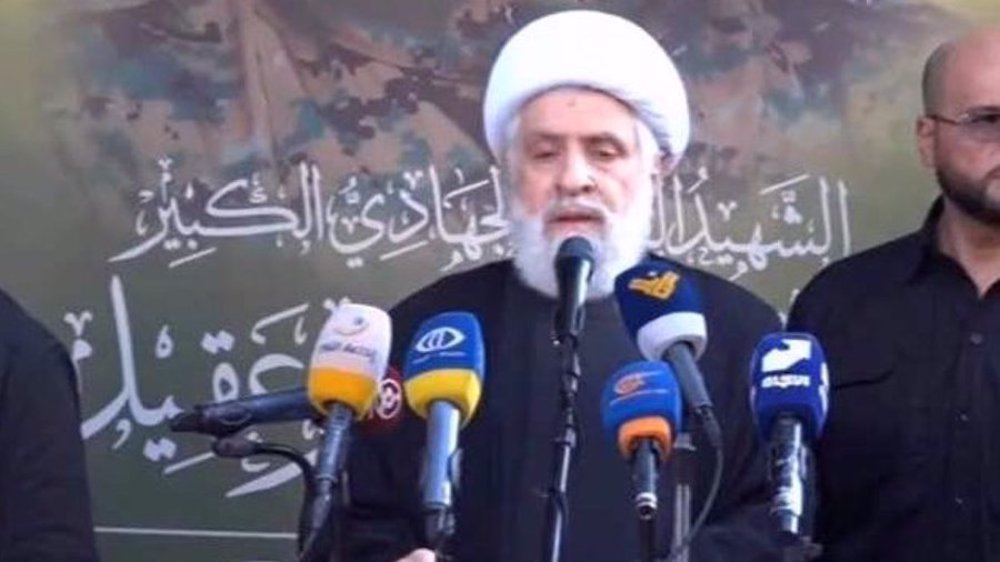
x,y
979,125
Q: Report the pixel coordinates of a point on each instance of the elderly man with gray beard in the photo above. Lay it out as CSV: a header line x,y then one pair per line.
x,y
586,115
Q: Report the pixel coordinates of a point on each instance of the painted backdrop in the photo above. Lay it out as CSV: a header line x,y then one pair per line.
x,y
190,185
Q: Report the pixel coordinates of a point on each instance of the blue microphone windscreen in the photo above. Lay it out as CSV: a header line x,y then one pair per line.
x,y
445,363
661,307
789,376
640,390
446,341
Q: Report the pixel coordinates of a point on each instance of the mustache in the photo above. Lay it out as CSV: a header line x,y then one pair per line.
x,y
576,208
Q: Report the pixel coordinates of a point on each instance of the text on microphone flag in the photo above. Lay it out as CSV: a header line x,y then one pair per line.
x,y
785,381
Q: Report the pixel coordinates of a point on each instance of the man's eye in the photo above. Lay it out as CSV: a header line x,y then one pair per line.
x,y
605,153
543,154
987,119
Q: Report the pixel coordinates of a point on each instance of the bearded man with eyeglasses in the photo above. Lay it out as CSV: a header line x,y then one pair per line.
x,y
909,463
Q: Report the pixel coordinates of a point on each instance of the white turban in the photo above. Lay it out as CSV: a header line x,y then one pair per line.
x,y
594,50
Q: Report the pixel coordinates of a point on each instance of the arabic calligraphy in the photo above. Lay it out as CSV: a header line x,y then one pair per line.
x,y
281,333
362,219
688,227
367,220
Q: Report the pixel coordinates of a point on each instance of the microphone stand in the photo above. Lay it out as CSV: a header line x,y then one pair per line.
x,y
439,520
684,458
573,266
647,540
237,447
329,475
564,444
646,478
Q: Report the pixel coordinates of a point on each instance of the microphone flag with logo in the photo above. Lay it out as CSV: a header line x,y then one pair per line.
x,y
348,361
662,309
389,407
443,381
641,411
789,385
350,357
790,377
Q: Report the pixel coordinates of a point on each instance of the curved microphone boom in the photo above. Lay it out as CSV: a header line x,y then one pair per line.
x,y
789,386
222,419
443,380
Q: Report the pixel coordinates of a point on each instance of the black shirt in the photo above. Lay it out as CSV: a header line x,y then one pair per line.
x,y
507,445
44,499
909,462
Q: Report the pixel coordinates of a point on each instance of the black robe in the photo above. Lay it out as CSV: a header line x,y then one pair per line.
x,y
507,445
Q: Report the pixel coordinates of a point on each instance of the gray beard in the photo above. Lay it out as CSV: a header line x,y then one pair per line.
x,y
621,246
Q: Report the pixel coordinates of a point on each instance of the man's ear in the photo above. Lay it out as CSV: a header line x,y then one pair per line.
x,y
924,129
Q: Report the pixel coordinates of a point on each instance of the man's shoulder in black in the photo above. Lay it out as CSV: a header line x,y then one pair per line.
x,y
44,496
18,329
861,276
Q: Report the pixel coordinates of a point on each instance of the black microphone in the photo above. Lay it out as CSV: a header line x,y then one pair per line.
x,y
574,265
221,419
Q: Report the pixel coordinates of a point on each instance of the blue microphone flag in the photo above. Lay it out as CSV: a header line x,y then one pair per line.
x,y
640,390
789,376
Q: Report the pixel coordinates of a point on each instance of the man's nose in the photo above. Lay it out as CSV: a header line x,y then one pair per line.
x,y
576,177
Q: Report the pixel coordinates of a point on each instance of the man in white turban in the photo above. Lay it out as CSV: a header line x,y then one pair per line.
x,y
586,115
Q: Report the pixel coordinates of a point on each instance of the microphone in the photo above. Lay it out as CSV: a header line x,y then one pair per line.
x,y
222,419
348,361
663,313
443,379
574,265
789,395
641,410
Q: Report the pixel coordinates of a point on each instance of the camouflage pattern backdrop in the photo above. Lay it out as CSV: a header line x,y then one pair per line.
x,y
191,184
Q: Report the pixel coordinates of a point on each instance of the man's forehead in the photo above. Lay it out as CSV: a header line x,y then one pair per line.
x,y
978,91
